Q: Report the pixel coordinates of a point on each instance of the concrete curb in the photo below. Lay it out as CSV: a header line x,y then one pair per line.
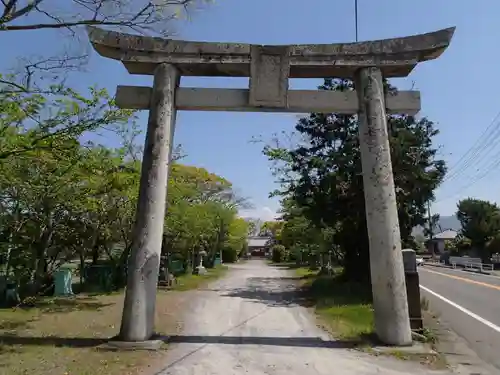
x,y
477,271
439,265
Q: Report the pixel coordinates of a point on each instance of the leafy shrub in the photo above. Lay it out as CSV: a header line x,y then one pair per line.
x,y
229,254
279,254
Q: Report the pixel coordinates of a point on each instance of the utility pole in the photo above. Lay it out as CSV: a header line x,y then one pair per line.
x,y
356,18
431,225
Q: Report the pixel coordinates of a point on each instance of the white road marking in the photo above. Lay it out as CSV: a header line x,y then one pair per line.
x,y
462,309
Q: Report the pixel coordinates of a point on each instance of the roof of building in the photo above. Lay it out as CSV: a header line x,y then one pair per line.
x,y
258,241
448,234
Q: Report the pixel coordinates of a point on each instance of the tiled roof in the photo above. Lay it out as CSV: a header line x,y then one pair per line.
x,y
258,241
449,234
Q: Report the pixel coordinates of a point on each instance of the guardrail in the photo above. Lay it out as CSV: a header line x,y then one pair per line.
x,y
464,261
469,264
480,266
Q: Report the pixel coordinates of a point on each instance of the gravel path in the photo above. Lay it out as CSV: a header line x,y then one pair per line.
x,y
247,323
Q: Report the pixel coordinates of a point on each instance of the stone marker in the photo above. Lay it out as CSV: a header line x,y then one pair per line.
x,y
412,289
269,69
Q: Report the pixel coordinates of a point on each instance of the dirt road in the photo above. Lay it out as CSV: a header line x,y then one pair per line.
x,y
247,323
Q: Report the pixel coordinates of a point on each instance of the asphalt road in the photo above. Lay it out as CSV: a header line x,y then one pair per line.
x,y
470,304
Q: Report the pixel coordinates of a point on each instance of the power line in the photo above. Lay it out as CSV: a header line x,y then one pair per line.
x,y
478,150
475,155
492,166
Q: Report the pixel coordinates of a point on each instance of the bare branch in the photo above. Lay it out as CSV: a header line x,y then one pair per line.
x,y
21,12
9,7
141,16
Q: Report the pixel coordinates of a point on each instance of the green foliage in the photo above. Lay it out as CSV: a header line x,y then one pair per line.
x,y
493,246
236,240
272,228
322,184
480,221
449,246
461,244
63,201
202,215
431,226
34,121
279,254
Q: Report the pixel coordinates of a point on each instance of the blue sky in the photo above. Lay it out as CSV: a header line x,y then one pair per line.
x,y
459,90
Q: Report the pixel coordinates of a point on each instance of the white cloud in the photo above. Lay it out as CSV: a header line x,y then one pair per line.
x,y
262,213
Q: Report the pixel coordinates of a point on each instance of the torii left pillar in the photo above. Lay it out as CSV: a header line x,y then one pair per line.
x,y
140,297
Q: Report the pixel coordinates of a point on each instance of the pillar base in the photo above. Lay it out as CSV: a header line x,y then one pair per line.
x,y
115,344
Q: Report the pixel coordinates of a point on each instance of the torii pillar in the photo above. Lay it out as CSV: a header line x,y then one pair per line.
x,y
269,68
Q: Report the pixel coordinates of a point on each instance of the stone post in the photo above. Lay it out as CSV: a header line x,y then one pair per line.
x,y
392,324
143,267
412,289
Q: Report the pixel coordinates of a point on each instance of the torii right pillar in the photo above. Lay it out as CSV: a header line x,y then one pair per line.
x,y
386,264
392,323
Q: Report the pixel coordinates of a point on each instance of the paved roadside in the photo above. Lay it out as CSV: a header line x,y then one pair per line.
x,y
249,323
469,304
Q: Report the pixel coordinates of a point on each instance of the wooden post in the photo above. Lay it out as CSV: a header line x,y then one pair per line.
x,y
390,305
143,267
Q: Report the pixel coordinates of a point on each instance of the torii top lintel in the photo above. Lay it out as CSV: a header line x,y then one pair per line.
x,y
396,57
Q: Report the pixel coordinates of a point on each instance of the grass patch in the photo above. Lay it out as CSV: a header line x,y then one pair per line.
x,y
306,274
190,281
344,309
60,336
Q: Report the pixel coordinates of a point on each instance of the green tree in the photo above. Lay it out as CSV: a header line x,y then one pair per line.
x,y
47,176
30,121
62,200
322,175
480,221
236,240
201,208
271,228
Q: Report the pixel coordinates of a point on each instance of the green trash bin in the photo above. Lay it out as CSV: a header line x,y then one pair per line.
x,y
176,267
63,280
100,276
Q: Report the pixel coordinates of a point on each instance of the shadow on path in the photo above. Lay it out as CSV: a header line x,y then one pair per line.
x,y
304,342
272,291
74,342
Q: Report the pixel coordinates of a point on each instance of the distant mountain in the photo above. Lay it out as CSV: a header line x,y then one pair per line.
x,y
445,222
450,222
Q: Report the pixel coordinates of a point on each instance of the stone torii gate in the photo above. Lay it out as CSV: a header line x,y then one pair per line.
x,y
269,68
